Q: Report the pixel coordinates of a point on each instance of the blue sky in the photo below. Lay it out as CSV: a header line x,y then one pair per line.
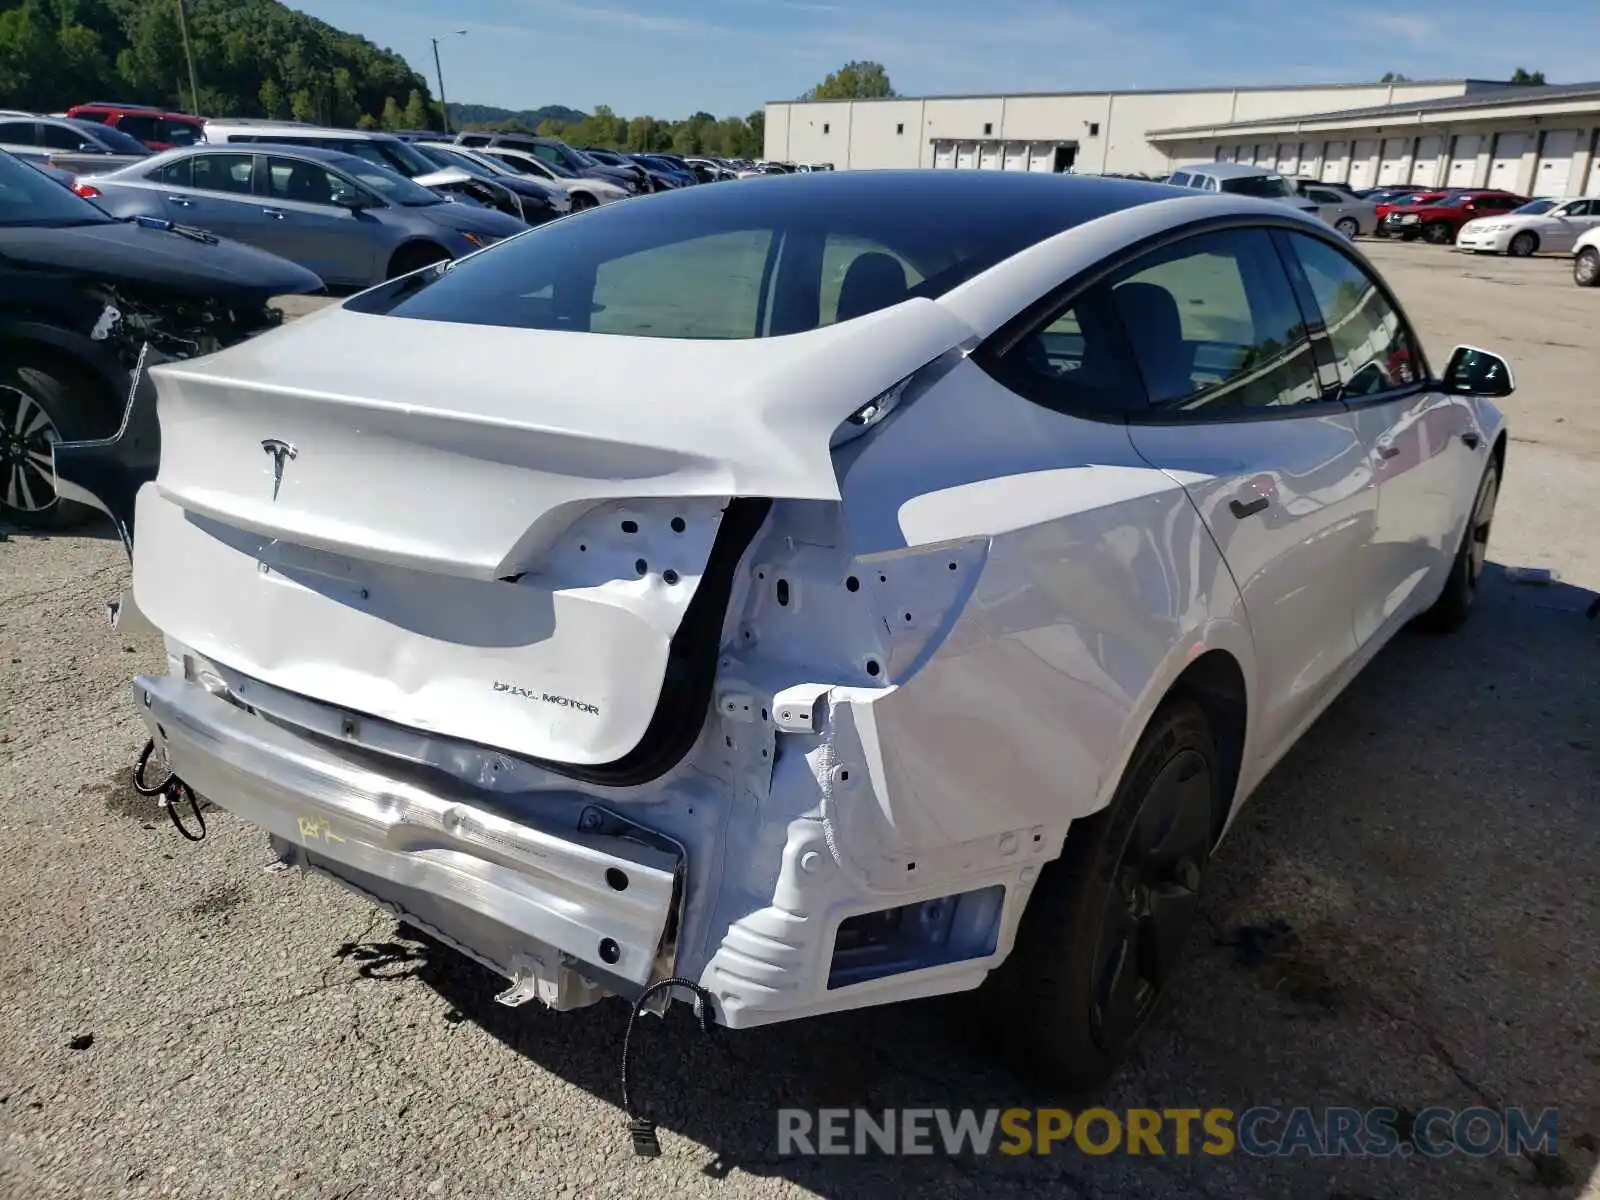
x,y
671,57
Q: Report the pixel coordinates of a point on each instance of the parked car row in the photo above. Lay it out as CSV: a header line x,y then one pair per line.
x,y
1479,220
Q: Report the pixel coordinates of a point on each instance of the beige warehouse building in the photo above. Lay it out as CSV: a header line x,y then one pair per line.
x,y
1457,132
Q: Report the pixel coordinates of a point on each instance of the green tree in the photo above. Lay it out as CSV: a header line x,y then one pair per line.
x,y
1528,78
366,122
854,81
273,102
1394,77
392,117
417,112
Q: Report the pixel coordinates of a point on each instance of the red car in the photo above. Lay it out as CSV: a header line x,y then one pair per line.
x,y
1384,207
1438,217
155,127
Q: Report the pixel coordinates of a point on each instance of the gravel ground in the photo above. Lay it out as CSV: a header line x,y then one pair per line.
x,y
177,1020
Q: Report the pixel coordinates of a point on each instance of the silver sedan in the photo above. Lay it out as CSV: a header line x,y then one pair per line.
x,y
1349,215
353,222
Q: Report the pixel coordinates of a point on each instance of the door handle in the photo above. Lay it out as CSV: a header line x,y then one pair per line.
x,y
1243,510
1388,451
1471,439
182,201
275,213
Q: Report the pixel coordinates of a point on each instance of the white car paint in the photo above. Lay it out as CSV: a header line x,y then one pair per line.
x,y
937,653
603,191
1586,259
1556,231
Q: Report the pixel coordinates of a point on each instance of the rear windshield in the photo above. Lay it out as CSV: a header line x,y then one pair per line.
x,y
760,260
112,138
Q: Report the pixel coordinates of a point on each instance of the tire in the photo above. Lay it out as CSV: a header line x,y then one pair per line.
x,y
1524,244
1586,267
1409,236
414,257
1065,1011
1348,226
1450,611
583,200
47,403
1438,233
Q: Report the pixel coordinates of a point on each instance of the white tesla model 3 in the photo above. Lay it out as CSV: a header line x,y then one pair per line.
x,y
878,584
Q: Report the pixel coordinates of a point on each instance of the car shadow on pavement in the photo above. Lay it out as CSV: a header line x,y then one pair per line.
x,y
1404,916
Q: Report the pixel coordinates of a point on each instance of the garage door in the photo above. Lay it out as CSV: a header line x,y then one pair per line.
x,y
1227,153
1506,165
990,157
1464,160
1289,158
1016,156
1391,166
1425,167
1593,187
1336,162
944,154
1554,174
1042,157
1361,163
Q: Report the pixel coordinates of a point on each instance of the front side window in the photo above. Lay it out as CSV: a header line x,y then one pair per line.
x,y
63,137
1179,179
17,133
1214,326
1371,344
306,183
1534,207
225,173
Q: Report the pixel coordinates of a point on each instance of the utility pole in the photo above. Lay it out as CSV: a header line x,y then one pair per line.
x,y
194,88
444,107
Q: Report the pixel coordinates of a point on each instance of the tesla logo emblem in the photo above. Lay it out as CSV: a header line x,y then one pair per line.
x,y
281,452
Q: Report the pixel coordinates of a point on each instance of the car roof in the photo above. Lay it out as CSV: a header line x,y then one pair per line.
x,y
323,154
293,130
1224,170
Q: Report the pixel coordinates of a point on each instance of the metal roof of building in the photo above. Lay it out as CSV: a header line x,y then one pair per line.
x,y
1488,84
1496,98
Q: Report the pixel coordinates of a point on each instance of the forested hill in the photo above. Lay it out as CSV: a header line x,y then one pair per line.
x,y
252,58
490,115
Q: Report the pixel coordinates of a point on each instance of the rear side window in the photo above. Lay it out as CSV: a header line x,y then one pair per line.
x,y
1214,326
60,137
1179,179
180,133
176,174
1371,344
225,173
146,129
728,263
17,133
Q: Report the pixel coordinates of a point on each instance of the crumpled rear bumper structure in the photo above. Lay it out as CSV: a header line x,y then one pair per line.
x,y
520,896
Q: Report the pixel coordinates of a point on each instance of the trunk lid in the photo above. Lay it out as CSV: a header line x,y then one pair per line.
x,y
492,534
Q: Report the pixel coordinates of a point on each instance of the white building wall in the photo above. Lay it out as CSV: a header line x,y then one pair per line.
x,y
889,133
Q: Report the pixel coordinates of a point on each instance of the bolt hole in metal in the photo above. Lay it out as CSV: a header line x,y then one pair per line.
x,y
763,714
641,566
883,579
783,593
907,617
872,667
616,880
679,525
669,577
630,527
844,776
582,549
610,952
953,566
852,584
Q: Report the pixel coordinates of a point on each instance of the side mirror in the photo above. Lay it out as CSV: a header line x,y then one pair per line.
x,y
1474,372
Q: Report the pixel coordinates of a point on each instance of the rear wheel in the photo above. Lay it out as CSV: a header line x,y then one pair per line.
x,y
414,257
1348,226
1586,267
1105,929
41,403
1524,244
1437,232
583,200
1450,611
